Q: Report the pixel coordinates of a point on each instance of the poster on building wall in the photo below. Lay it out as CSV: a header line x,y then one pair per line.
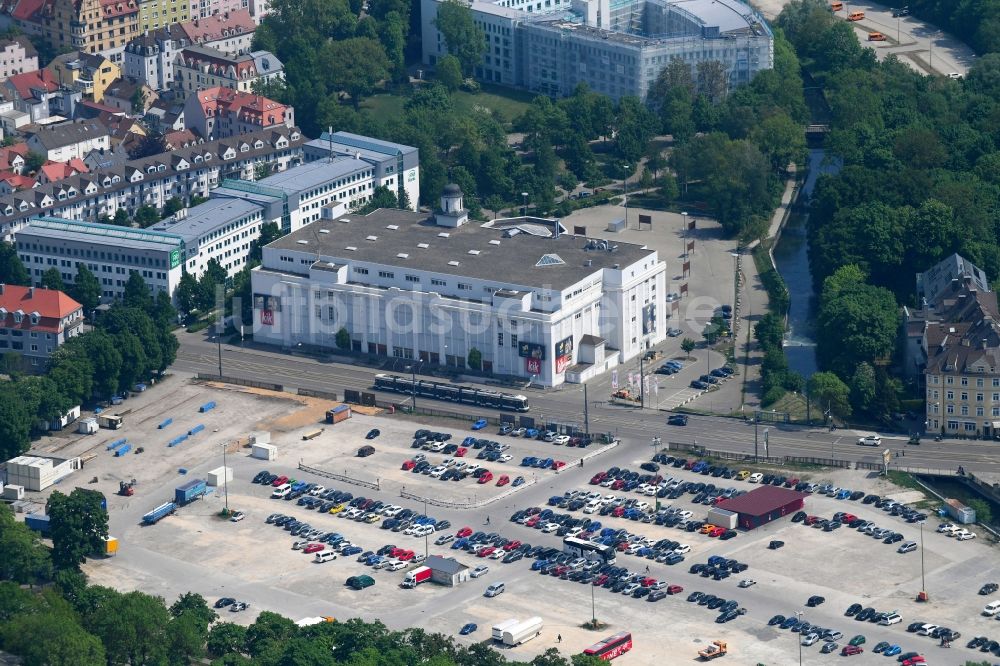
x,y
531,350
564,348
614,380
562,362
649,319
533,366
267,317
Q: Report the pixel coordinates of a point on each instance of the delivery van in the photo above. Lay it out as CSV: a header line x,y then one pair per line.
x,y
856,16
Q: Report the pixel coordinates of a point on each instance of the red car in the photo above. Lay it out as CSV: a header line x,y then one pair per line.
x,y
464,532
461,451
791,483
716,531
674,589
313,548
847,518
486,551
405,556
914,661
618,512
559,570
810,520
280,480
503,480
618,485
486,477
512,545
597,478
408,465
396,552
857,649
534,521
622,546
690,463
646,582
558,464
601,580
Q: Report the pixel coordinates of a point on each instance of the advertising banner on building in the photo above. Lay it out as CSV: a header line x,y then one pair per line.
x,y
614,380
267,317
562,363
565,348
533,366
531,350
649,319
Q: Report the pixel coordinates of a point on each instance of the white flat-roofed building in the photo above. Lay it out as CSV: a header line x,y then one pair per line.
x,y
535,302
220,229
397,166
109,251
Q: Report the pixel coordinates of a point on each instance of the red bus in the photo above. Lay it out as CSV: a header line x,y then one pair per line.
x,y
611,647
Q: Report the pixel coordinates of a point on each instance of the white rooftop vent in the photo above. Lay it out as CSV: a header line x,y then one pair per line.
x,y
423,246
550,260
494,242
476,252
371,238
302,242
392,227
351,248
324,231
444,234
402,255
453,263
344,219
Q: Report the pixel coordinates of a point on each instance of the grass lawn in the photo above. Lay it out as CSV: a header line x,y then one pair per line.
x,y
509,103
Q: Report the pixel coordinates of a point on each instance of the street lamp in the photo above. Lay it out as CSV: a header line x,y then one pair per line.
x,y
625,168
225,476
425,534
656,445
736,287
923,583
524,208
798,616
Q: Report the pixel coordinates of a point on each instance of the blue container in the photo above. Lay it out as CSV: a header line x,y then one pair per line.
x,y
195,430
207,406
37,522
115,444
190,491
123,450
165,424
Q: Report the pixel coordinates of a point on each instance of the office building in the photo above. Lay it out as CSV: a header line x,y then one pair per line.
x,y
617,48
535,302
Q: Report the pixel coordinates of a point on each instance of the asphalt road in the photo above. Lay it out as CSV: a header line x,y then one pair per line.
x,y
565,405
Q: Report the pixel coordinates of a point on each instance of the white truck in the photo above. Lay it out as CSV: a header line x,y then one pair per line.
x,y
416,577
522,632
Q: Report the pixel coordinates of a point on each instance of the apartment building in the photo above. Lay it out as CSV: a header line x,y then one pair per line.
x,y
217,113
229,31
34,321
89,26
17,55
90,73
153,180
154,14
197,68
150,57
67,141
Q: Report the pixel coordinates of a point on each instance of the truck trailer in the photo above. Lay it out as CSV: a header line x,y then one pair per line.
x,y
522,632
159,513
38,522
416,577
501,627
190,491
110,546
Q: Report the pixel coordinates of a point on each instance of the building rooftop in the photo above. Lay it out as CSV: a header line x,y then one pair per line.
x,y
502,252
364,144
55,228
312,174
67,134
206,217
446,564
938,279
219,26
761,500
51,306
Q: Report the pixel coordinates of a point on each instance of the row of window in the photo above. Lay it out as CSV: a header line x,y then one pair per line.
x,y
964,381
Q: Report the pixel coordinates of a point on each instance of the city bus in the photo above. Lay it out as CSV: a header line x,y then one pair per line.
x,y
589,550
611,647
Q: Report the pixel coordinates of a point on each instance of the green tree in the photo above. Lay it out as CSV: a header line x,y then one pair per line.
x,y
133,627
121,218
79,526
382,197
185,639
475,359
51,639
163,311
133,360
33,161
782,140
15,423
106,360
267,630
72,372
132,320
226,638
12,271
668,188
23,560
449,72
86,289
173,205
146,216
770,331
52,279
187,292
194,605
465,40
269,232
355,66
137,294
863,387
984,513
343,339
688,345
830,393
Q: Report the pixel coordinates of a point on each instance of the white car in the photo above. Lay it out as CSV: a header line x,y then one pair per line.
x,y
560,440
965,535
947,528
518,432
317,490
299,545
682,549
608,483
870,440
926,629
505,457
810,639
755,477
685,514
395,565
481,570
747,582
630,588
237,516
436,447
498,554
550,528
438,471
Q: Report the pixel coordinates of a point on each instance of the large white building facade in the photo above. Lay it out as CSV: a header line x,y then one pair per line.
x,y
616,47
535,302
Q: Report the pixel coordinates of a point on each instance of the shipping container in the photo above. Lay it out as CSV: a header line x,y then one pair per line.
x,y
165,423
38,522
264,451
190,491
960,512
72,415
87,427
115,444
338,414
122,450
110,421
312,434
220,476
110,546
207,407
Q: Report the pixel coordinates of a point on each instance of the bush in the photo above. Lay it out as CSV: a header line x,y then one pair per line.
x,y
772,396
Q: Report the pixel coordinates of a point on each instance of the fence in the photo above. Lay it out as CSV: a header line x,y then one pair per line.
x,y
311,393
340,477
240,382
750,458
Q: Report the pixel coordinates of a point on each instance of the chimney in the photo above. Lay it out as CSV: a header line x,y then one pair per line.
x,y
31,292
1,288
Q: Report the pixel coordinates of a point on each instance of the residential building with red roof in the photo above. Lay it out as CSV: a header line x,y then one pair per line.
x,y
218,113
34,321
230,31
31,92
12,182
89,26
52,172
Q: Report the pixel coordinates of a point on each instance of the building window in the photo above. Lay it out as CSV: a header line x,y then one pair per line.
x,y
965,381
949,380
361,271
412,278
500,339
979,411
950,409
952,425
970,427
438,283
386,274
949,395
464,287
965,395
513,339
979,397
979,380
965,410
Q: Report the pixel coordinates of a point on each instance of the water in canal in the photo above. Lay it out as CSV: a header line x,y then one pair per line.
x,y
791,255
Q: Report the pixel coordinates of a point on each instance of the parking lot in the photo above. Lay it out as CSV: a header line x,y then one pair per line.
x,y
254,562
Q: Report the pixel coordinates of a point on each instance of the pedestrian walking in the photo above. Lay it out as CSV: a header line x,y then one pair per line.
x,y
559,638
487,520
647,568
